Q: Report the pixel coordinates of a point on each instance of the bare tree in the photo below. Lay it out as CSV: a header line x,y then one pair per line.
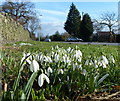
x,y
20,11
34,26
109,19
24,13
97,26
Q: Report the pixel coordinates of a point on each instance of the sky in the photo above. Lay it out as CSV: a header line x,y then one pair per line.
x,y
54,12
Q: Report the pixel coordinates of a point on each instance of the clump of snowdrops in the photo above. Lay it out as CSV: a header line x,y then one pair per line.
x,y
63,73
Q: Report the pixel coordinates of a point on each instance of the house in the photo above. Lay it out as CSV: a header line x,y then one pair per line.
x,y
106,36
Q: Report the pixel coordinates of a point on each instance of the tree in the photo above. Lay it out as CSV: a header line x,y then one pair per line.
x,y
97,26
24,13
34,26
56,37
86,28
21,12
109,19
72,24
65,36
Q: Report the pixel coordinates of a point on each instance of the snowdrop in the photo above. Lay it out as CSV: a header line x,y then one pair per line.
x,y
60,71
56,59
41,59
41,79
91,62
52,53
112,59
66,59
95,64
79,59
78,54
34,66
103,61
87,62
25,56
84,72
49,70
69,49
57,47
47,59
75,65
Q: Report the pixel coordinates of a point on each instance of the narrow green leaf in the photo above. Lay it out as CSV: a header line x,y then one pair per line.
x,y
28,87
103,78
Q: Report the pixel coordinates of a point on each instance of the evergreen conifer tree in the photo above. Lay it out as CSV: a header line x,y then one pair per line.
x,y
86,28
72,24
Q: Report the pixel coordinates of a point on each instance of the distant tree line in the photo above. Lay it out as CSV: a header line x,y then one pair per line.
x,y
77,26
56,36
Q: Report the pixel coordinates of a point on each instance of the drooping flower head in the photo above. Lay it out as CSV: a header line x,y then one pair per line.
x,y
34,66
41,79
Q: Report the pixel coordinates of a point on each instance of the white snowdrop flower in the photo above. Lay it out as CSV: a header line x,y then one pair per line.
x,y
91,62
56,59
28,61
103,64
25,57
49,70
68,78
112,59
34,66
79,59
80,66
99,62
95,64
52,53
84,72
57,47
37,57
47,59
78,54
104,59
41,58
87,62
66,59
75,66
60,71
52,48
41,79
69,49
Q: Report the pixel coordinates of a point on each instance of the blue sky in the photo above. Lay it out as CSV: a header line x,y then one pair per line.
x,y
54,13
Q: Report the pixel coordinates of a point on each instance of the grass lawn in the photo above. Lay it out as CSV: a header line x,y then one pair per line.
x,y
12,54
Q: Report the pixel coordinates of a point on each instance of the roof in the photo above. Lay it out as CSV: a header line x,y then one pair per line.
x,y
103,33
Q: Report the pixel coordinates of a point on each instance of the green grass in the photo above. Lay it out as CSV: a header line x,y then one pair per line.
x,y
16,52
12,55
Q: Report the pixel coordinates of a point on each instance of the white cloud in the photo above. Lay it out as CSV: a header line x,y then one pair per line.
x,y
53,12
52,21
52,27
